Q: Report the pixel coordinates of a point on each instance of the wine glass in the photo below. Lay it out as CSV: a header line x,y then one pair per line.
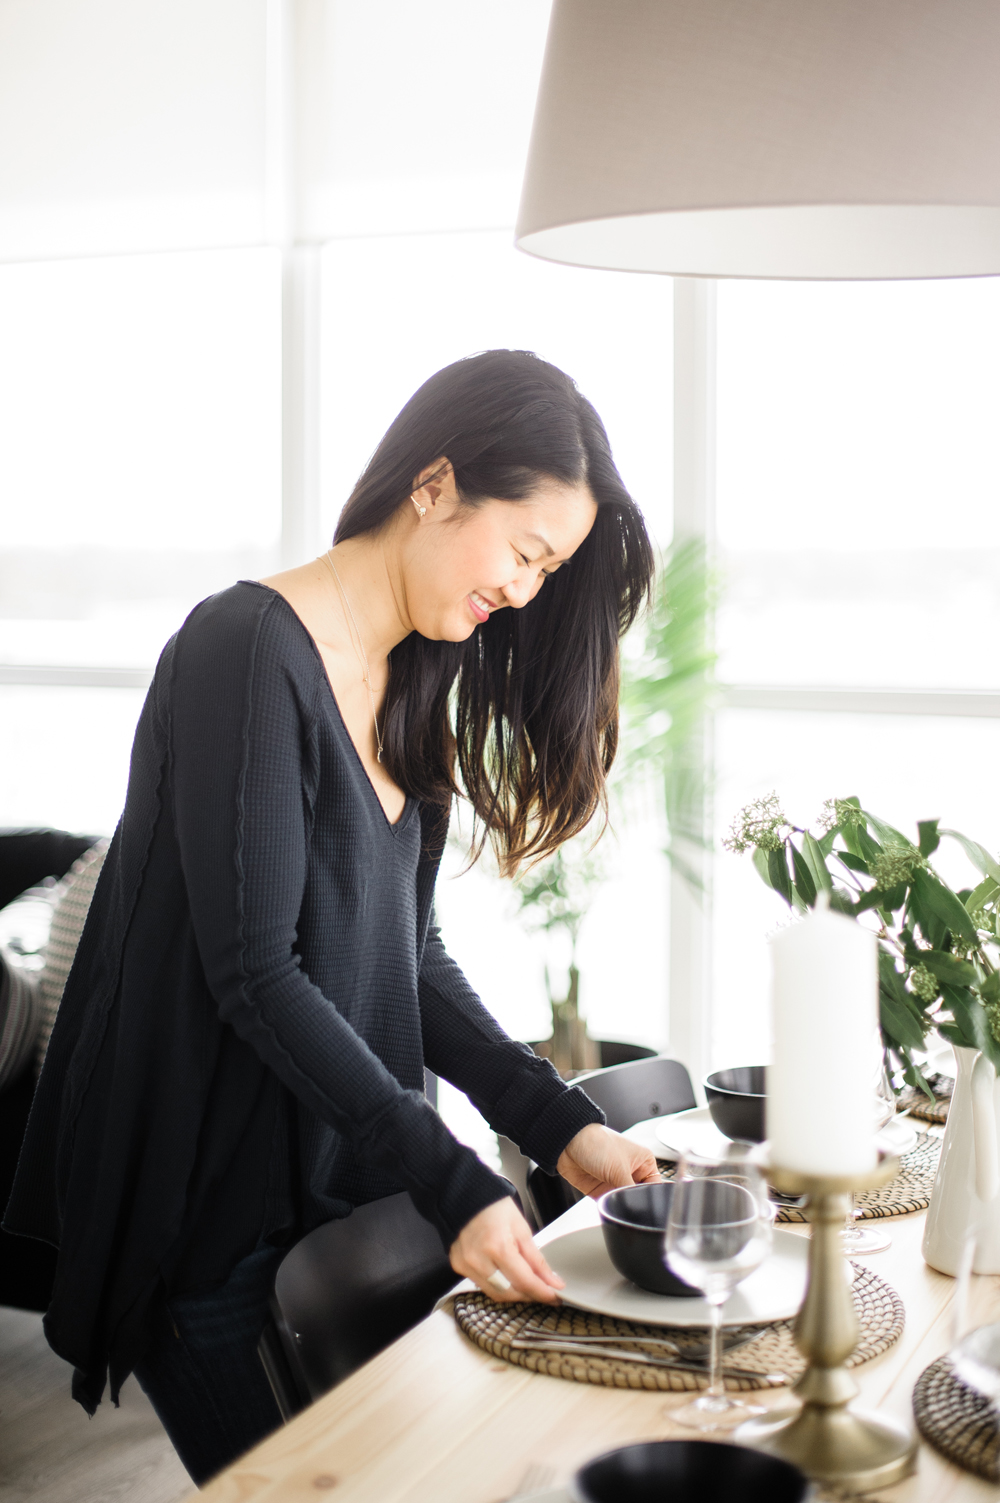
x,y
719,1232
976,1361
871,1239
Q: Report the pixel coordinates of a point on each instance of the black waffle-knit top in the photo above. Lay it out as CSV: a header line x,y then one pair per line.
x,y
240,1051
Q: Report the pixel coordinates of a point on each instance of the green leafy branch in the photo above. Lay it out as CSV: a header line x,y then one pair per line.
x,y
557,893
939,950
666,687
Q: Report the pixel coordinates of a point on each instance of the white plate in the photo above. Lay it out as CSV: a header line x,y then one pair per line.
x,y
695,1132
774,1292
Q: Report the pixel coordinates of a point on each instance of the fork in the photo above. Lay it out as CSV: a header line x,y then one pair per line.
x,y
694,1365
540,1333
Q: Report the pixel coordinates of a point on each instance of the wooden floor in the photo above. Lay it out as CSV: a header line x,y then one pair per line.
x,y
51,1451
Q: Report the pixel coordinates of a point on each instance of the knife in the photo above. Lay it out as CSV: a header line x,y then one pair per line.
x,y
694,1365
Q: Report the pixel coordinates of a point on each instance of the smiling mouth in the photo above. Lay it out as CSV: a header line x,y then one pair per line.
x,y
481,607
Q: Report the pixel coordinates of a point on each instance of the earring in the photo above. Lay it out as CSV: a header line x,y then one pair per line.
x,y
421,510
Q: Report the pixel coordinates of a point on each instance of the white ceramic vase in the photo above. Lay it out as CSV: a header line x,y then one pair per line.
x,y
966,1196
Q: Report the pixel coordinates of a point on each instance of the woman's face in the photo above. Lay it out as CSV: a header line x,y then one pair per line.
x,y
462,563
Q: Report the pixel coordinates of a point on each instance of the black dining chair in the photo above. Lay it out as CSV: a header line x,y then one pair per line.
x,y
627,1094
345,1292
513,1163
27,1268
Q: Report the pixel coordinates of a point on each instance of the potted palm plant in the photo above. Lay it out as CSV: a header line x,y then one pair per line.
x,y
554,898
666,681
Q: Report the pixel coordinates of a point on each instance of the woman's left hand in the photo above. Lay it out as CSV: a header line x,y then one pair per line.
x,y
597,1160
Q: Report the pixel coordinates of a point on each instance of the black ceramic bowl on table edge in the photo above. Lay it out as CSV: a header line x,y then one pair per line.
x,y
736,1100
634,1223
689,1471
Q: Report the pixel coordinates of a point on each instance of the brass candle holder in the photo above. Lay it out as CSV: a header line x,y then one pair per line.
x,y
849,1450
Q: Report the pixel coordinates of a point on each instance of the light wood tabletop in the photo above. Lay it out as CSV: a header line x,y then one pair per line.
x,y
435,1420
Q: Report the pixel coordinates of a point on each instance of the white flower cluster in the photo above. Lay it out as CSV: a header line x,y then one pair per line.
x,y
758,825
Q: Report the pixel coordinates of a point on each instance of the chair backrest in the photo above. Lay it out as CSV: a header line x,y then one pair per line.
x,y
348,1289
627,1094
642,1088
28,856
27,1268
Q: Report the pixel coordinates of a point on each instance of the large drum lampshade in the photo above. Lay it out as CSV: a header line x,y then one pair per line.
x,y
768,138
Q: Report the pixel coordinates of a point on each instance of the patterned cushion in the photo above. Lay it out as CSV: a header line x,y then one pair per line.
x,y
20,1015
24,931
71,903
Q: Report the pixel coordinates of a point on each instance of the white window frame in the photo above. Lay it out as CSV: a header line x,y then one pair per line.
x,y
694,515
690,1019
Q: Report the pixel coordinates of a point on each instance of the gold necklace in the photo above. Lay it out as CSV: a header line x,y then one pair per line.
x,y
361,656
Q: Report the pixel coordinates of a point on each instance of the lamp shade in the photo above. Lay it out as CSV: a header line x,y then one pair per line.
x,y
768,138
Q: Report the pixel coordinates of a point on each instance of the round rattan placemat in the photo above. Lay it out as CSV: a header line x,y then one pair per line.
x,y
772,1354
909,1191
958,1421
916,1103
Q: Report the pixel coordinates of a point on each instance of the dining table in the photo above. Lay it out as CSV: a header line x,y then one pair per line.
x,y
434,1419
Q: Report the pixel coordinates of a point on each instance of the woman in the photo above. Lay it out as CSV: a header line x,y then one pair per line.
x,y
240,1051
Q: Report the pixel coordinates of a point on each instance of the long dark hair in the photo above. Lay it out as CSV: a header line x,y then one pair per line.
x,y
535,723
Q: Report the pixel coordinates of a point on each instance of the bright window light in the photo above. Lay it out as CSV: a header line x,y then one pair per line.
x,y
396,309
399,307
902,767
859,483
140,412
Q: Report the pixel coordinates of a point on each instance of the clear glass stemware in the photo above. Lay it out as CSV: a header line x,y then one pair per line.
x,y
718,1233
871,1239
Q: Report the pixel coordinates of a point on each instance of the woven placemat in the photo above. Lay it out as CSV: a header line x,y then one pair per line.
x,y
909,1191
958,1421
772,1354
916,1103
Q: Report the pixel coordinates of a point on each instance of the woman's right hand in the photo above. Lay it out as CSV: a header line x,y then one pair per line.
x,y
497,1244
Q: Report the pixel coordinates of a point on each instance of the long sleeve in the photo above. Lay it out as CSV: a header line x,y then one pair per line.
x,y
519,1094
244,773
239,1051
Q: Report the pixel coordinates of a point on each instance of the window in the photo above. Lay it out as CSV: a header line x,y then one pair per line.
x,y
142,401
397,308
148,400
140,466
858,533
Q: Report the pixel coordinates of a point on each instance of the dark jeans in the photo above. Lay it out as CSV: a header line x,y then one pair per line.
x,y
202,1373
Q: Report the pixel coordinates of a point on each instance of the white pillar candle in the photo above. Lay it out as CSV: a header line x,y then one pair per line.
x,y
820,1087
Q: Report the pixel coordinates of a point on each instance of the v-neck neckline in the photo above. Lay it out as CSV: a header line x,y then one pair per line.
x,y
410,803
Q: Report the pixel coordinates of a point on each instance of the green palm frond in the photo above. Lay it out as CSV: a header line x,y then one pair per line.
x,y
666,689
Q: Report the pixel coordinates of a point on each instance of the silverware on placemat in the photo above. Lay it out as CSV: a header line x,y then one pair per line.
x,y
668,1168
694,1350
571,1348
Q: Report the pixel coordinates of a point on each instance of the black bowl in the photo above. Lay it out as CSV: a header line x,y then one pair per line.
x,y
689,1471
736,1100
634,1222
